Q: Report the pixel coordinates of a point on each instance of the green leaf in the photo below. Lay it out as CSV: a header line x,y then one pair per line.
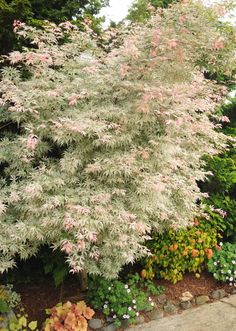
x,y
3,306
33,325
23,321
59,274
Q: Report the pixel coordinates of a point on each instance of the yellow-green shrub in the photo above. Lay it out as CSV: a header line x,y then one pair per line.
x,y
175,252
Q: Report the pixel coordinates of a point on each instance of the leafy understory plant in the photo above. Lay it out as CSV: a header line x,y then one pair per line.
x,y
97,150
68,316
9,304
223,264
19,322
146,284
9,299
118,300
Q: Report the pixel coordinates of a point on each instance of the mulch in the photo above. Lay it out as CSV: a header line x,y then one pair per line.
x,y
38,296
196,286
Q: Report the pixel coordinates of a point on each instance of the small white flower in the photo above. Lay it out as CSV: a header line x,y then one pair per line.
x,y
231,279
235,272
128,290
126,286
230,284
112,310
124,316
135,307
233,262
106,302
134,301
229,271
105,306
221,244
130,308
214,274
114,316
137,314
215,263
152,304
128,317
109,288
149,299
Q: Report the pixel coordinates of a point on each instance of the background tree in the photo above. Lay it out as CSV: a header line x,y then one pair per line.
x,y
141,10
33,12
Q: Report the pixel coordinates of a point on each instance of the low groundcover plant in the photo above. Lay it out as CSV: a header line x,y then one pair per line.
x,y
118,300
223,264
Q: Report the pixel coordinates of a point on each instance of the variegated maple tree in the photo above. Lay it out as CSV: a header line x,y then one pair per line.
x,y
97,150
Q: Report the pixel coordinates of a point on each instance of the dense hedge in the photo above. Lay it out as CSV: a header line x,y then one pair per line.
x,y
221,186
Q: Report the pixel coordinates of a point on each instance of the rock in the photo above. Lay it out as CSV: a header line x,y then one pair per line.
x,y
139,319
156,314
162,299
170,308
95,323
186,296
185,305
218,294
110,327
201,299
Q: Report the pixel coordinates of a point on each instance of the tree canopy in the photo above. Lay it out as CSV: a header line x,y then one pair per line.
x,y
141,10
97,150
33,12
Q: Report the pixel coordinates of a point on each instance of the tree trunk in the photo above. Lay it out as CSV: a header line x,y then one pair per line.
x,y
83,280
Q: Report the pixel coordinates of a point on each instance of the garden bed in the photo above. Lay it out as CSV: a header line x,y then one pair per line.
x,y
37,297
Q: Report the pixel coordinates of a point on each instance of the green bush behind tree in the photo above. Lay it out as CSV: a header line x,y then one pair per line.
x,y
141,10
221,186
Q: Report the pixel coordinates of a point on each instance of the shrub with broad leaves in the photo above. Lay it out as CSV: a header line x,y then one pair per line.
x,y
176,252
97,150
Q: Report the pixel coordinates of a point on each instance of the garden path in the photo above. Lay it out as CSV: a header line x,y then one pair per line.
x,y
217,316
